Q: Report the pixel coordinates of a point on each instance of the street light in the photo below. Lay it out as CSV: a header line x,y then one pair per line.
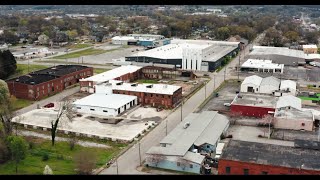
x,y
117,166
181,108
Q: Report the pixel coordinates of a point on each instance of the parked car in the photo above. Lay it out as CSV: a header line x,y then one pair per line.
x,y
227,104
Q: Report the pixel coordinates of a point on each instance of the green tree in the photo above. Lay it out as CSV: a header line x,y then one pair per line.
x,y
72,34
223,33
18,149
292,36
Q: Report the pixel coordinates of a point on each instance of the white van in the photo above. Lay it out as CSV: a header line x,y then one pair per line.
x,y
219,149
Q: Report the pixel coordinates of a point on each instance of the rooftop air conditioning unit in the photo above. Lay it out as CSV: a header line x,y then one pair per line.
x,y
186,125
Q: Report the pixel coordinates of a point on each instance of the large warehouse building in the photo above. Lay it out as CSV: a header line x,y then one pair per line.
x,y
261,66
278,55
195,55
43,83
147,40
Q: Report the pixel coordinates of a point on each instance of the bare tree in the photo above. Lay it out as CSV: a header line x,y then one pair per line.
x,y
85,162
156,158
72,141
234,116
183,163
267,120
65,110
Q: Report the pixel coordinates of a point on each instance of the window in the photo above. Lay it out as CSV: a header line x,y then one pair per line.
x,y
264,173
105,111
191,165
92,109
208,146
178,163
78,107
228,170
245,171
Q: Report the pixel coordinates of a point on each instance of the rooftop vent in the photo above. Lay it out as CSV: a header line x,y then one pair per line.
x,y
149,86
134,85
119,83
186,125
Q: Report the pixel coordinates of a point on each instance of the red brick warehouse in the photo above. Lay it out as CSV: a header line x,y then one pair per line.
x,y
43,83
251,158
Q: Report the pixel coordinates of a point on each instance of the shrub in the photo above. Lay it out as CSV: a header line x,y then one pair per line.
x,y
45,157
31,145
60,157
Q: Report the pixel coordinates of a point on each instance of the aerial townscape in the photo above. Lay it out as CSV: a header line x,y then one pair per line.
x,y
159,90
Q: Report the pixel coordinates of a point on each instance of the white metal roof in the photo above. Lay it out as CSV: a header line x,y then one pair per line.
x,y
123,38
266,50
308,46
254,79
205,127
288,84
289,101
273,81
155,88
112,74
257,63
194,157
112,101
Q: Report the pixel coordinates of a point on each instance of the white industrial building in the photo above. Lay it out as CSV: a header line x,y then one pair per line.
x,y
262,66
269,85
288,102
251,84
122,40
289,87
105,105
199,55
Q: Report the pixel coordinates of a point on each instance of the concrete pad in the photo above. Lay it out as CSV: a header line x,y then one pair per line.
x,y
83,126
143,113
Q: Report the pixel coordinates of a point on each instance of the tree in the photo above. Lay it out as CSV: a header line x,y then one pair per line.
x,y
292,36
6,110
72,34
8,64
18,149
65,111
312,37
9,37
85,162
47,170
43,39
72,142
156,158
223,33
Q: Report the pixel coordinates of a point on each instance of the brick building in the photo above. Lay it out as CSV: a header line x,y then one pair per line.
x,y
250,158
124,73
39,84
159,71
156,95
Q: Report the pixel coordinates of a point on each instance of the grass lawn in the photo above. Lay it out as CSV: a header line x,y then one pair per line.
x,y
21,103
79,46
86,52
149,81
99,70
60,157
310,98
23,69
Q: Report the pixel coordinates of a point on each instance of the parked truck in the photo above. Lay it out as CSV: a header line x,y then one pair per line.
x,y
219,149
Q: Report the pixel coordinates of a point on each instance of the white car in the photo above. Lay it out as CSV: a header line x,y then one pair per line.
x,y
227,104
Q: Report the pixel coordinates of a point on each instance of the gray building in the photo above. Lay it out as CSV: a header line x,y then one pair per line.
x,y
185,148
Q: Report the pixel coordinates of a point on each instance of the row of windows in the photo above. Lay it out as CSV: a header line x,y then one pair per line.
x,y
245,171
147,94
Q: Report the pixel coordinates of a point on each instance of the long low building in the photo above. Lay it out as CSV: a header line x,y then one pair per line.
x,y
105,105
186,146
123,73
196,55
261,66
279,55
156,95
251,158
43,83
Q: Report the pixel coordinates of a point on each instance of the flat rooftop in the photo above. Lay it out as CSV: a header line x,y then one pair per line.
x,y
112,101
265,64
265,50
217,52
255,100
61,70
146,88
112,74
309,46
294,114
125,130
33,79
270,154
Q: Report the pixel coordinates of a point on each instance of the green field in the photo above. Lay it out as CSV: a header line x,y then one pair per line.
x,y
148,81
22,69
21,103
90,51
60,158
99,70
79,46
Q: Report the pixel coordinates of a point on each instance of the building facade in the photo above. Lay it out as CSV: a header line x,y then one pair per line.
x,y
46,82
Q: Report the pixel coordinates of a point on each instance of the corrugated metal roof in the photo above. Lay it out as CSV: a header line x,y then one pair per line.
x,y
258,63
273,81
288,84
265,50
205,127
256,80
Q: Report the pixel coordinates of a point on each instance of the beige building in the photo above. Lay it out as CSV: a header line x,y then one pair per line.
x,y
310,49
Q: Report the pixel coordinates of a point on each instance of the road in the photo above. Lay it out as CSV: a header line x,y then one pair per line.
x,y
130,160
48,100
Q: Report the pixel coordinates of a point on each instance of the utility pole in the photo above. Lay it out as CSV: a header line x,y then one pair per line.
x,y
214,82
181,108
224,77
28,65
269,129
140,154
166,126
205,90
239,66
82,59
117,166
